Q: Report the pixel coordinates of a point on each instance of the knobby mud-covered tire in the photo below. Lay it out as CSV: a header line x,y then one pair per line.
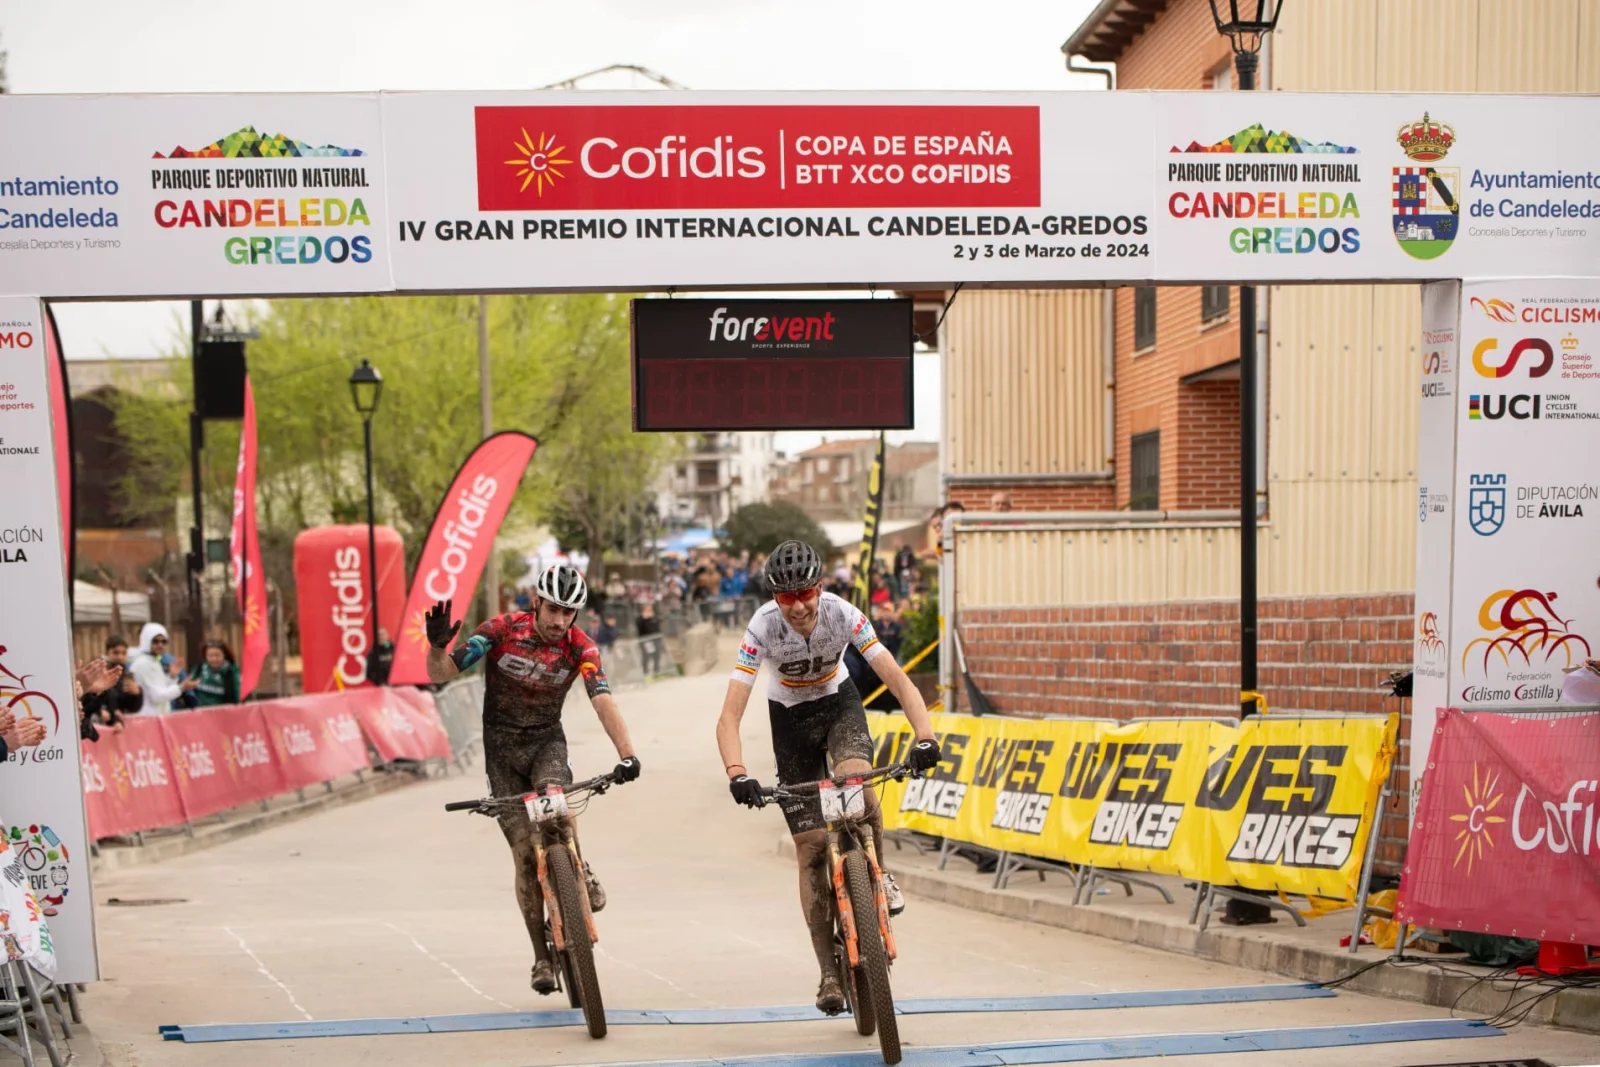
x,y
580,952
860,1003
873,973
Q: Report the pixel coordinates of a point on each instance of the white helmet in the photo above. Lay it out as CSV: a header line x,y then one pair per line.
x,y
562,585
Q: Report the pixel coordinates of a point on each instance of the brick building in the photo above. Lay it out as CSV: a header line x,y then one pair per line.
x,y
1116,413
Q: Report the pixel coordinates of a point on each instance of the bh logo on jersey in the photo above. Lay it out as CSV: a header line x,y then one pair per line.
x,y
528,670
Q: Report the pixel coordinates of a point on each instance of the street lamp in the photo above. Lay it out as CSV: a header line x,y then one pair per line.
x,y
1245,23
366,386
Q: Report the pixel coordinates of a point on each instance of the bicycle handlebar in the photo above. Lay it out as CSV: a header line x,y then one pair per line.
x,y
486,805
897,771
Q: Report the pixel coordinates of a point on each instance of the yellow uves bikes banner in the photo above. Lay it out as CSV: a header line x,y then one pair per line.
x,y
1270,803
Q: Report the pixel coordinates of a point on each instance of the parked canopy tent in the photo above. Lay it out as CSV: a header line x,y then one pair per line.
x,y
92,604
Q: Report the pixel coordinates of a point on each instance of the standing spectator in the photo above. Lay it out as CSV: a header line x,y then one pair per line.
x,y
605,635
123,698
159,687
756,585
648,627
96,678
886,621
905,568
378,664
1000,501
217,680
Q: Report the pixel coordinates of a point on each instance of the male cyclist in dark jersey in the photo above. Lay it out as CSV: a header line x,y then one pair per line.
x,y
816,717
532,659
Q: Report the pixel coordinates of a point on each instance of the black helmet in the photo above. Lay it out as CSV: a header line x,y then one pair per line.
x,y
793,565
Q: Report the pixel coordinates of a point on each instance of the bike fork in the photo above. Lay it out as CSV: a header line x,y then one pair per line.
x,y
880,897
841,893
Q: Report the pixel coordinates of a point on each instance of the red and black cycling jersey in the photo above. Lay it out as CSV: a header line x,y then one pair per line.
x,y
526,678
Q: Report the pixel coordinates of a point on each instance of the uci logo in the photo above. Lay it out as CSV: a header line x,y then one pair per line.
x,y
1541,347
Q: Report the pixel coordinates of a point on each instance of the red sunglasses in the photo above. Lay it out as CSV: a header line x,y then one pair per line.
x,y
796,597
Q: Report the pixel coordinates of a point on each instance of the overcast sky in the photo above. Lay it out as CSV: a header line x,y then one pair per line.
x,y
180,46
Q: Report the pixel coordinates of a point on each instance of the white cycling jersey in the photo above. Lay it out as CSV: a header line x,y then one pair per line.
x,y
806,668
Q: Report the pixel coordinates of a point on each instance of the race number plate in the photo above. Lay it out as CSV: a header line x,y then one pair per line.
x,y
546,807
838,804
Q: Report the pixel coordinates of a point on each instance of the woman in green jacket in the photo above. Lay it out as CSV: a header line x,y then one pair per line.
x,y
218,677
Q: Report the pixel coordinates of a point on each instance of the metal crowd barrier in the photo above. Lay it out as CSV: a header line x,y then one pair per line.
x,y
634,661
460,706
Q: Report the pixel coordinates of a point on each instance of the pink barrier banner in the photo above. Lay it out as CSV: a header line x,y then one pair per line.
x,y
171,769
1504,840
129,782
401,723
316,738
221,758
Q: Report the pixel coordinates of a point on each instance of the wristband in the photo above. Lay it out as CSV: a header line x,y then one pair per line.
x,y
731,766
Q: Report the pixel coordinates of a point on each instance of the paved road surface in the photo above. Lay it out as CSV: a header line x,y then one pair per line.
x,y
390,907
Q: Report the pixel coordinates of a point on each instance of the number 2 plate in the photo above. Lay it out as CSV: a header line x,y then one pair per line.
x,y
546,807
838,804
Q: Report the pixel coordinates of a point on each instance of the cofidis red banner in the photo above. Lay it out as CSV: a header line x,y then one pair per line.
x,y
221,758
245,550
1506,838
401,723
459,543
671,156
315,738
332,578
128,779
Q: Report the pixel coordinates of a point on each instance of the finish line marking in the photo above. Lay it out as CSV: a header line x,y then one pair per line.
x,y
1117,1048
443,1024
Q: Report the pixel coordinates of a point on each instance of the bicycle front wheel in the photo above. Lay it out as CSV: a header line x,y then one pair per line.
x,y
575,932
872,975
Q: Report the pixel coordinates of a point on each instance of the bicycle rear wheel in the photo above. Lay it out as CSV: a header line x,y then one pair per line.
x,y
873,972
579,953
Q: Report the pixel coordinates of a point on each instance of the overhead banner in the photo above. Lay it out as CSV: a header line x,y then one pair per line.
x,y
460,543
41,793
1273,803
1505,838
244,545
182,196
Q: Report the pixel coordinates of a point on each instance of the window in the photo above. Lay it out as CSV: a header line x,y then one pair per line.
x,y
1214,302
1145,492
1144,317
822,466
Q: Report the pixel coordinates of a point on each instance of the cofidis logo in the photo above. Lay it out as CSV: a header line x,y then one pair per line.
x,y
631,158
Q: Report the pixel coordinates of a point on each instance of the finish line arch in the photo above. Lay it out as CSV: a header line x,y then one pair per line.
x,y
237,196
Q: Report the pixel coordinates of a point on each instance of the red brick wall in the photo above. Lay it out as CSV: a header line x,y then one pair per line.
x,y
1207,445
1125,660
1097,496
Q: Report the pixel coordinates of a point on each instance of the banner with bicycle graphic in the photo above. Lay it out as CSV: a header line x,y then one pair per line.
x,y
1276,802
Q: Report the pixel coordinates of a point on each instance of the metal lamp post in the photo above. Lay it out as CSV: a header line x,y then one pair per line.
x,y
1245,23
366,386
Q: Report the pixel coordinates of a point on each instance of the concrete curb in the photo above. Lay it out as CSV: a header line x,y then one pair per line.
x,y
1256,948
207,836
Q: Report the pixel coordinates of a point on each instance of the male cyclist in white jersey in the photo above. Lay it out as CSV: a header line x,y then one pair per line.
x,y
816,716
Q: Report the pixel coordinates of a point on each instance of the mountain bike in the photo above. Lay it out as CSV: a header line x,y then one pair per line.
x,y
863,937
569,929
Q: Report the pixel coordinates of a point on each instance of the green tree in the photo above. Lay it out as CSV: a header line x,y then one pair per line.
x,y
559,369
762,527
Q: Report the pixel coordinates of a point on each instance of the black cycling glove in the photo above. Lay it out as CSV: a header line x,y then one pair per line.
x,y
924,756
746,790
437,621
628,769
